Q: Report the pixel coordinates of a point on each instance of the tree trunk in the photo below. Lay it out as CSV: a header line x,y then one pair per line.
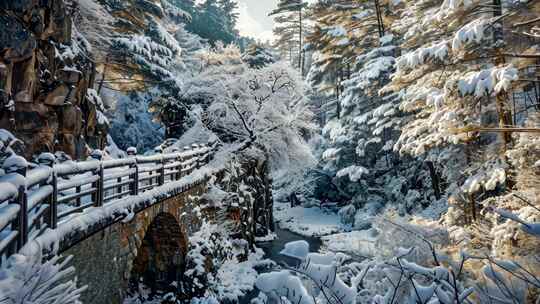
x,y
473,207
434,179
300,65
380,23
505,116
103,77
497,30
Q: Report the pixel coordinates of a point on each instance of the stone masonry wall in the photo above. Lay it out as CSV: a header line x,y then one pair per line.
x,y
104,261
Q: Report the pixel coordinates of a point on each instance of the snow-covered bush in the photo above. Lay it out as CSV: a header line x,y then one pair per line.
x,y
218,267
28,280
257,56
9,145
347,214
320,271
423,263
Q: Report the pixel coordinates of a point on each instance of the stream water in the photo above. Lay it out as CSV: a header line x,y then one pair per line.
x,y
272,248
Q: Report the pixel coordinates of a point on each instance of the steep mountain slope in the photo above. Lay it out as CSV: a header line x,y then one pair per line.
x,y
46,79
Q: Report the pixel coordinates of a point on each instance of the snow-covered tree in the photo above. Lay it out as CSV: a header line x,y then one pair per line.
x,y
263,108
457,75
422,90
215,20
257,56
290,19
353,59
26,279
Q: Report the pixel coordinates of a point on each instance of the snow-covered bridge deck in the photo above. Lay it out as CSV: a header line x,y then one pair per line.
x,y
61,197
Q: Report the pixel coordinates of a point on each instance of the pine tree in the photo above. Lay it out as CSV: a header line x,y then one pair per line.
x,y
353,59
458,75
185,5
290,28
215,20
258,56
230,9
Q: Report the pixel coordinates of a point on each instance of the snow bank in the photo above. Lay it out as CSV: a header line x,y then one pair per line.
x,y
307,221
297,249
282,283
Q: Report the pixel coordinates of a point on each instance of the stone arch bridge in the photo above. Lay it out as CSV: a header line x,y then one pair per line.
x,y
122,220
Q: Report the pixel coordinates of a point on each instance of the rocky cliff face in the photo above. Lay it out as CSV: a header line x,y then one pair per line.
x,y
46,79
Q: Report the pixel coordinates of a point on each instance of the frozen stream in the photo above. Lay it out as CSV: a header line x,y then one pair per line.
x,y
272,249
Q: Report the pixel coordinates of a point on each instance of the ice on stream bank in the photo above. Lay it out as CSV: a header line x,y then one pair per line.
x,y
326,225
312,221
354,243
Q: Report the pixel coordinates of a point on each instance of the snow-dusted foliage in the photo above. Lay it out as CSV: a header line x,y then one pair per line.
x,y
132,125
257,56
363,123
320,270
157,52
418,261
265,108
218,267
28,280
141,49
431,107
460,98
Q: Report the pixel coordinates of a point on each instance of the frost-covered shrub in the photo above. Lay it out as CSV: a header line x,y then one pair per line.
x,y
28,280
257,56
208,250
418,263
219,268
302,284
9,145
346,214
366,215
395,234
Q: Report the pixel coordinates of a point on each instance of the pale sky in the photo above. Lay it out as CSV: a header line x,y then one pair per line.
x,y
254,20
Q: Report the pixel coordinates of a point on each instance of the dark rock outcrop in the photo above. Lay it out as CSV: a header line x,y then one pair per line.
x,y
46,79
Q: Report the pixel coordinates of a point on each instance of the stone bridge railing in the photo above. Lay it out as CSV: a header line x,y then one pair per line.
x,y
33,200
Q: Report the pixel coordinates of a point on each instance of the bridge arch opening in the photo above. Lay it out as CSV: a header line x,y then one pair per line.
x,y
160,259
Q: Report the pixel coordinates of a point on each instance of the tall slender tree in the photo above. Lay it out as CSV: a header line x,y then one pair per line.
x,y
287,9
215,20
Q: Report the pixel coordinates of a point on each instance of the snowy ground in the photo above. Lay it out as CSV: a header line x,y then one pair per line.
x,y
358,244
237,278
317,222
308,221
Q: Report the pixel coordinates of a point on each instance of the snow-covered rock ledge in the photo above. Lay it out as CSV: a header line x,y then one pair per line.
x,y
95,219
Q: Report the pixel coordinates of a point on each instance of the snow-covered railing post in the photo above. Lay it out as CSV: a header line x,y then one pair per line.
x,y
184,171
161,172
180,161
21,223
197,155
100,186
51,219
134,186
16,168
53,203
135,179
99,183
